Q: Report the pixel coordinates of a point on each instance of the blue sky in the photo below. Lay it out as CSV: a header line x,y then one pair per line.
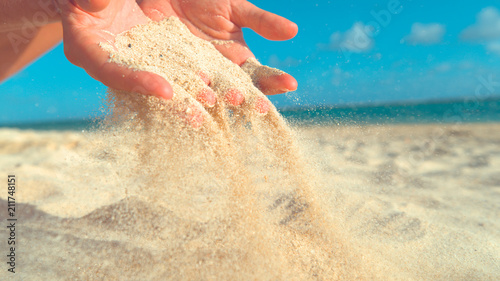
x,y
350,51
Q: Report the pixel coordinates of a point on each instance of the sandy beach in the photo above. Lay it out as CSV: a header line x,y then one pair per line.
x,y
213,184
408,202
188,169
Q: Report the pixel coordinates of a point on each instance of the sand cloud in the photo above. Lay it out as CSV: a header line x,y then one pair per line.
x,y
425,34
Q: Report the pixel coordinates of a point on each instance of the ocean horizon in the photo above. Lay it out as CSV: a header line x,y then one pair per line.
x,y
465,110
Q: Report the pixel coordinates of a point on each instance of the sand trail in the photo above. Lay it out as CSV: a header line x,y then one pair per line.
x,y
285,225
275,222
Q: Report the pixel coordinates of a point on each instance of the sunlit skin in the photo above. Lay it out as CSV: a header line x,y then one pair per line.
x,y
224,20
89,22
85,24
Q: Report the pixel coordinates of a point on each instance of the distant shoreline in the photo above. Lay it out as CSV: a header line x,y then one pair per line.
x,y
394,103
429,112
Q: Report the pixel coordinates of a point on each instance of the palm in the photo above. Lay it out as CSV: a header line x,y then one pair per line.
x,y
209,20
223,20
83,31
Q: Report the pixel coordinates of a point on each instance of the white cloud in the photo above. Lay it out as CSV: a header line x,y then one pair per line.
x,y
443,67
425,34
493,47
354,40
486,30
339,76
448,66
466,64
275,61
487,26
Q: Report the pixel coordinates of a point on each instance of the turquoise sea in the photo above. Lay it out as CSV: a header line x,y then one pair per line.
x,y
451,111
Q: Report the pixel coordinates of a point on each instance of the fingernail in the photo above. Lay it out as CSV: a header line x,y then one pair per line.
x,y
206,97
195,117
262,105
205,77
167,91
160,87
234,97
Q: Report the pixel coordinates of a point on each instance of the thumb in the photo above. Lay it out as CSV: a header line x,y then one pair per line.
x,y
92,6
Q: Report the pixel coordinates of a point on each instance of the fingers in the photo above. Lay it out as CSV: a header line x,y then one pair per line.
x,y
205,78
230,94
95,61
186,109
92,6
266,24
269,80
234,97
195,116
262,105
277,84
237,52
206,95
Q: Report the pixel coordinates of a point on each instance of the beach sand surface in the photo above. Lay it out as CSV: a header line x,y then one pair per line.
x,y
406,202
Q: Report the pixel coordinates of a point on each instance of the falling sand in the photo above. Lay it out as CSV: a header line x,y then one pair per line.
x,y
231,197
177,190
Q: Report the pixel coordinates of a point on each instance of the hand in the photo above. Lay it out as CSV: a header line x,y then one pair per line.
x,y
88,23
224,20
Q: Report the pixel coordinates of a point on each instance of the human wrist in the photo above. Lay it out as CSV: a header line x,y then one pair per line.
x,y
28,14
